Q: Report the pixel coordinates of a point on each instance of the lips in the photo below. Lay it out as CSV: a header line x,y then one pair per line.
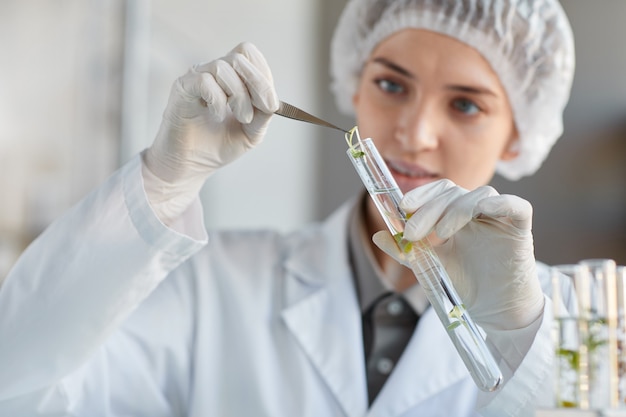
x,y
410,170
409,176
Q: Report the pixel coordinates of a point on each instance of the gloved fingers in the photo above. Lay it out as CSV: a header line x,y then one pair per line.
x,y
429,214
213,95
255,130
387,244
261,90
462,210
239,99
253,69
415,198
509,208
256,58
246,80
194,85
197,89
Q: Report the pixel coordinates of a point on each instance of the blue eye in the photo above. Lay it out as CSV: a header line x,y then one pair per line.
x,y
465,106
390,86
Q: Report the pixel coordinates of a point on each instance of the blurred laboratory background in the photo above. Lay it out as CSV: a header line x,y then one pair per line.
x,y
83,84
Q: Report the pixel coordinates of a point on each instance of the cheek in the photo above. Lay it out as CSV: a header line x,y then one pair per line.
x,y
468,163
373,122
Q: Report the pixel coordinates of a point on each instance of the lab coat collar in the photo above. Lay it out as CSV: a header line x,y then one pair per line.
x,y
322,310
323,314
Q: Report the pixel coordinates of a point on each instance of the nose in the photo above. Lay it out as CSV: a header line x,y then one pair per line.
x,y
418,128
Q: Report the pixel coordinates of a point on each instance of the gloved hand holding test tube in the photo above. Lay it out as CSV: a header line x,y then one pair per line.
x,y
427,267
423,260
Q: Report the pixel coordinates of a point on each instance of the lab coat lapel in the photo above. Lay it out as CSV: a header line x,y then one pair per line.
x,y
322,311
429,360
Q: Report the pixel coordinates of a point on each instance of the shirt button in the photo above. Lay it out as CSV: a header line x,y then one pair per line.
x,y
384,366
395,307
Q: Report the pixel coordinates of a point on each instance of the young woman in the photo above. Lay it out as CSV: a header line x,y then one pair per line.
x,y
118,309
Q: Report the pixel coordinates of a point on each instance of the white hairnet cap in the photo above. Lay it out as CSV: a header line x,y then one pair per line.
x,y
529,44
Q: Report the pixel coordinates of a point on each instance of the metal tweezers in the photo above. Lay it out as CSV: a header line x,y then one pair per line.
x,y
292,112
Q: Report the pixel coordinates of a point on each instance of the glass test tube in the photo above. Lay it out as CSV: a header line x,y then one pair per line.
x,y
621,333
427,268
570,302
602,333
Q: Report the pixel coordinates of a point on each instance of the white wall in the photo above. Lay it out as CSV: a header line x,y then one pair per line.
x,y
58,131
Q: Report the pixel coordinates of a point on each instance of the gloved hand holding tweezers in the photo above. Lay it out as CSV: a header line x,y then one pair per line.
x,y
216,112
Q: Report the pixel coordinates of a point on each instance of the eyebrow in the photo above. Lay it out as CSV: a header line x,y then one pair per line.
x,y
394,67
470,90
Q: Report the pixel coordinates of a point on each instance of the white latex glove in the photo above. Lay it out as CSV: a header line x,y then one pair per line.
x,y
485,243
216,112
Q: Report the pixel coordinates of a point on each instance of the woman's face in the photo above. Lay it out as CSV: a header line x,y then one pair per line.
x,y
435,109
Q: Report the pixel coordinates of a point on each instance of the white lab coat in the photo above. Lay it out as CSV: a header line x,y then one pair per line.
x,y
93,323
